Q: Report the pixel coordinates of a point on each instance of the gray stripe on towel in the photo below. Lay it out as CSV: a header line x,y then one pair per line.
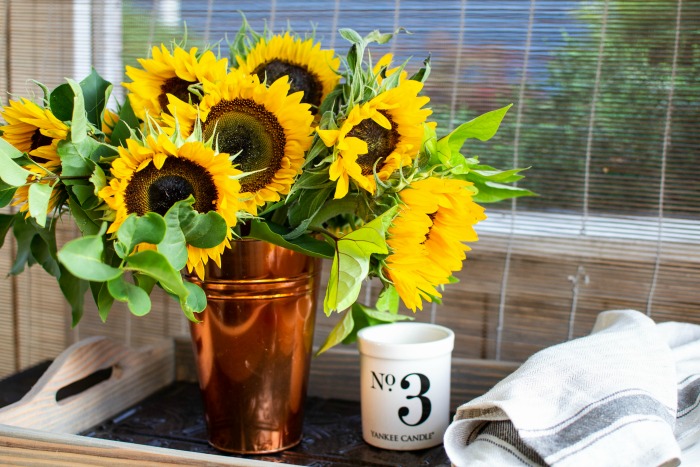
x,y
598,419
688,397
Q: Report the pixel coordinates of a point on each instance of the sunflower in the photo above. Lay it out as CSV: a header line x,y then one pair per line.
x,y
35,131
168,73
151,177
267,129
383,134
426,237
309,68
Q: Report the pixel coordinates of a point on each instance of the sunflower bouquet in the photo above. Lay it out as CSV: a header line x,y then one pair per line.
x,y
281,140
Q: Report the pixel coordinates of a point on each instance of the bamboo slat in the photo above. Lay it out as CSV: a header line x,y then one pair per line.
x,y
4,25
48,56
7,338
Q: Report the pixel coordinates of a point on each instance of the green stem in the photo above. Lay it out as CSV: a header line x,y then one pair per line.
x,y
324,232
73,177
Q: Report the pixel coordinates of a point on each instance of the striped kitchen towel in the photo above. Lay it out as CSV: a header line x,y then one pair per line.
x,y
627,394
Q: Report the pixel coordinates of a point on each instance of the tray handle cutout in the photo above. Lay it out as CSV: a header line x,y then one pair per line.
x,y
90,381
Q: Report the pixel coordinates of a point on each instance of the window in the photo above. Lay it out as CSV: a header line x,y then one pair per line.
x,y
605,112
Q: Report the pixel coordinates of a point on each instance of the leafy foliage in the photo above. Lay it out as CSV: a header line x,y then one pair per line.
x,y
124,260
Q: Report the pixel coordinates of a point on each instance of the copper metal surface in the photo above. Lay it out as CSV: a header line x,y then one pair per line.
x,y
253,346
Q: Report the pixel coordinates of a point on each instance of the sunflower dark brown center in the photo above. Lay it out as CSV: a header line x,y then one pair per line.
x,y
380,142
431,216
153,190
39,140
300,79
178,87
248,129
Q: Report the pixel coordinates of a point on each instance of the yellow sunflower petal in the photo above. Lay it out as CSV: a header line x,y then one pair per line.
x,y
329,137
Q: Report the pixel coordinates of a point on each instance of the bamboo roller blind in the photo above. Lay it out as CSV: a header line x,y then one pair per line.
x,y
605,112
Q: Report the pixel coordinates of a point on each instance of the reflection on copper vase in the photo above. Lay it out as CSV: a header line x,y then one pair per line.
x,y
253,346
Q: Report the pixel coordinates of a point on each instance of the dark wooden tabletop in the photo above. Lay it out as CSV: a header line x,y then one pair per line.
x,y
173,418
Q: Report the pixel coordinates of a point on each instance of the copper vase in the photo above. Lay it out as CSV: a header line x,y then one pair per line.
x,y
253,346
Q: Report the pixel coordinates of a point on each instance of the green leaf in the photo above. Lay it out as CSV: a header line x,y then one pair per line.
x,y
429,144
306,244
385,316
493,192
135,297
149,228
42,252
24,233
422,74
339,332
490,174
43,88
197,299
103,299
483,128
83,258
75,158
96,92
365,317
145,282
6,196
335,207
123,128
73,290
98,179
201,230
9,150
173,246
304,211
378,37
388,300
6,221
120,133
11,173
204,230
83,193
312,180
351,36
39,196
327,106
351,261
127,115
104,302
61,102
86,196
154,264
79,122
86,221
78,159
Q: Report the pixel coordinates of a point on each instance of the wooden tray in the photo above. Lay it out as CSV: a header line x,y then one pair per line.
x,y
42,428
39,430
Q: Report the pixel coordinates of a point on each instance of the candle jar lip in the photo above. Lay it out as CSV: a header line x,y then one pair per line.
x,y
405,341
